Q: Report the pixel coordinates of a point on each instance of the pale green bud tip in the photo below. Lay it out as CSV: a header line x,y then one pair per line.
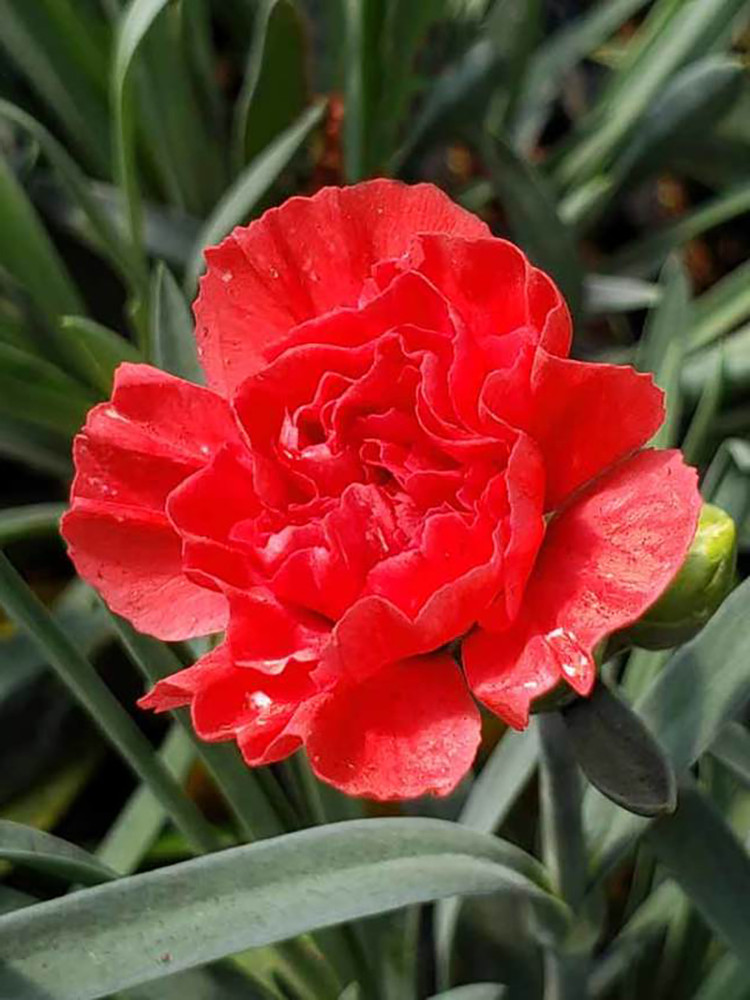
x,y
706,577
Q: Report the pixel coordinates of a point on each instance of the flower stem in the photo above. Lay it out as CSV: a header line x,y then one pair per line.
x,y
563,849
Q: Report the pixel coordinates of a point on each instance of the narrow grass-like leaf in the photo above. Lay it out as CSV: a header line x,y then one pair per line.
x,y
274,90
639,83
186,148
610,293
563,846
127,842
395,76
132,29
105,348
23,845
172,328
663,345
29,521
692,103
77,612
475,991
727,980
560,807
500,782
724,306
534,221
457,94
710,864
727,479
215,982
250,896
734,357
363,24
80,190
702,422
36,391
732,748
36,447
704,685
557,56
645,926
252,184
11,900
22,606
643,257
246,796
199,25
514,26
58,67
27,253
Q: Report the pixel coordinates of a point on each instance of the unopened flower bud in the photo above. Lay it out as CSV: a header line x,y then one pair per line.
x,y
706,577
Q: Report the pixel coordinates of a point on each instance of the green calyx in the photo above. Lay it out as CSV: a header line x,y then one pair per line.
x,y
705,579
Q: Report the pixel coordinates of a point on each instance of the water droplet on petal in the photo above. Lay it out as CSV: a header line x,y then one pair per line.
x,y
260,700
575,662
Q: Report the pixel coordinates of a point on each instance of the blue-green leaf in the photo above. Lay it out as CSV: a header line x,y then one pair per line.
x,y
191,913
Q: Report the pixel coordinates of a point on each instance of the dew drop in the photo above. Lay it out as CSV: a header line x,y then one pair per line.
x,y
574,661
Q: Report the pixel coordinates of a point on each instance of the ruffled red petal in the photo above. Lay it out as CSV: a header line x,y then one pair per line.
x,y
411,730
586,417
135,562
156,431
266,634
304,259
605,559
230,702
494,288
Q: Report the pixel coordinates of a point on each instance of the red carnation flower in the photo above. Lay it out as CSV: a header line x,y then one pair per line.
x,y
394,454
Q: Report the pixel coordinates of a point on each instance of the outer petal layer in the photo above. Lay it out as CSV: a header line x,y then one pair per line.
x,y
586,417
411,730
156,431
304,259
604,561
231,702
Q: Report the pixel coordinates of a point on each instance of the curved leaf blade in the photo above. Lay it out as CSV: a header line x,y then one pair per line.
x,y
500,782
619,755
33,848
704,685
150,925
709,863
255,180
173,342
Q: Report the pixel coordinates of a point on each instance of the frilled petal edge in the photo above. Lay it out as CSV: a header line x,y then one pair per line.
x,y
155,432
410,730
304,259
605,559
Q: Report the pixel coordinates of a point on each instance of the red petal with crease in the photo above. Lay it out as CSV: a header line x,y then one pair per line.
x,y
266,634
231,702
135,562
156,431
605,559
494,289
411,730
588,416
304,259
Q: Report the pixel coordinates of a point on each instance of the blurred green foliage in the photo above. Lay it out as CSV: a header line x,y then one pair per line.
x,y
611,140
